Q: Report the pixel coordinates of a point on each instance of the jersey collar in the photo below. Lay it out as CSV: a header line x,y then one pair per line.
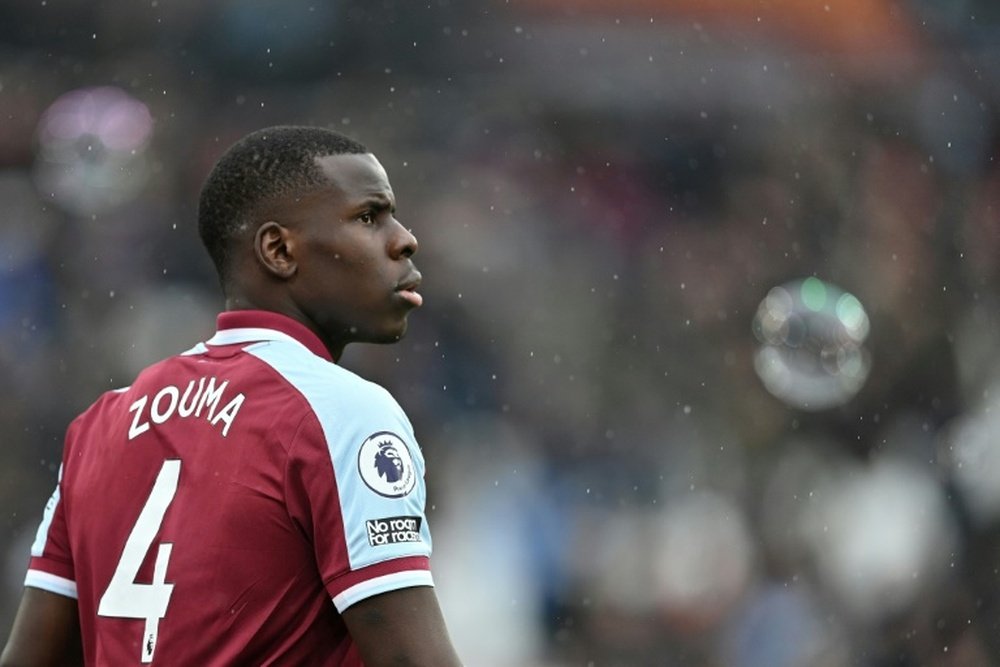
x,y
251,326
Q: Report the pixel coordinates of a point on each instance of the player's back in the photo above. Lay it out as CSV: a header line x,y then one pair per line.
x,y
184,548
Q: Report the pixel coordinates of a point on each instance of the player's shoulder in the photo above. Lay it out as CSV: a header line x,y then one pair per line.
x,y
99,407
108,405
322,383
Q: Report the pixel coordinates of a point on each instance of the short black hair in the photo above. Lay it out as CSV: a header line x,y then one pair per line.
x,y
266,164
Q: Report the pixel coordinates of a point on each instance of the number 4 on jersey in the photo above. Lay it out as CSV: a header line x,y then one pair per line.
x,y
124,598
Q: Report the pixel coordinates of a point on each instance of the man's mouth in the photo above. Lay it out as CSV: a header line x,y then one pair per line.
x,y
407,289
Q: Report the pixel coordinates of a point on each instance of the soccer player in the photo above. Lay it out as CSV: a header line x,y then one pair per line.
x,y
250,502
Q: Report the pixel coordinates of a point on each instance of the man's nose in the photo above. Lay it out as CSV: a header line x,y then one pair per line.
x,y
403,243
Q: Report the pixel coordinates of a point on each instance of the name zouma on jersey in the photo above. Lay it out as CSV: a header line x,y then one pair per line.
x,y
200,400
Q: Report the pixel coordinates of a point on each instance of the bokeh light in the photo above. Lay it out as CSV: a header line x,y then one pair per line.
x,y
703,559
92,149
971,456
882,535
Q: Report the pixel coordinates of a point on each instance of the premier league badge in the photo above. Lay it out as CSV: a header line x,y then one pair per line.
x,y
386,466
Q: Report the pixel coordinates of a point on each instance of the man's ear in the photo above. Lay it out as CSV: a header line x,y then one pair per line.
x,y
274,247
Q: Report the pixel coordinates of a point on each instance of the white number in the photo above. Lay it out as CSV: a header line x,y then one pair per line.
x,y
124,598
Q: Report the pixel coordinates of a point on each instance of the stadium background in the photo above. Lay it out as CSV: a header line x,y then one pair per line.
x,y
604,193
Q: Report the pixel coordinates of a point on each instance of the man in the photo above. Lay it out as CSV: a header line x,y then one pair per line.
x,y
232,506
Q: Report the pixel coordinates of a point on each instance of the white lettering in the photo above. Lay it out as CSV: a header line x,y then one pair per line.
x,y
136,428
211,397
185,409
393,530
168,403
161,416
404,536
228,413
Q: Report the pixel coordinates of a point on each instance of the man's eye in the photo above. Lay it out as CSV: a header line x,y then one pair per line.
x,y
368,217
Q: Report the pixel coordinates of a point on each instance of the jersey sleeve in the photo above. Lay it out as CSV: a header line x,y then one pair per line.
x,y
51,564
355,480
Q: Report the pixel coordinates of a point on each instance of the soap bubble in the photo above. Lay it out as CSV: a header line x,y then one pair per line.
x,y
92,149
812,353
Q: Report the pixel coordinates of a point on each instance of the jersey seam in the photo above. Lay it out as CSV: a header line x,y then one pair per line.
x,y
300,403
293,441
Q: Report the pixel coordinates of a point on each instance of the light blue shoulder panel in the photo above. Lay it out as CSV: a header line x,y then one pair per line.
x,y
378,465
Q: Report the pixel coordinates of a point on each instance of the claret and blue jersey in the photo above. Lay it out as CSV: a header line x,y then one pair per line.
x,y
226,507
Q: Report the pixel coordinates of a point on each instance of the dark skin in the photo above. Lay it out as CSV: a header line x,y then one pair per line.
x,y
337,260
333,259
46,632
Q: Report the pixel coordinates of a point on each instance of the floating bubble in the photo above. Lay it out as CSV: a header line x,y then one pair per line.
x,y
812,335
92,149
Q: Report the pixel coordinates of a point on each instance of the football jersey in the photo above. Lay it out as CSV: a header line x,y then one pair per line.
x,y
231,503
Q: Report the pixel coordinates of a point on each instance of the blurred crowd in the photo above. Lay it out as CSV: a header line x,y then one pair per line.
x,y
706,374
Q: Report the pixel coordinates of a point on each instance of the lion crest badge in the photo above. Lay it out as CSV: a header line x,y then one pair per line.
x,y
386,466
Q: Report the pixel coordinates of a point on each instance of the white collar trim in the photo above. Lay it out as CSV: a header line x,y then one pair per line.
x,y
249,335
